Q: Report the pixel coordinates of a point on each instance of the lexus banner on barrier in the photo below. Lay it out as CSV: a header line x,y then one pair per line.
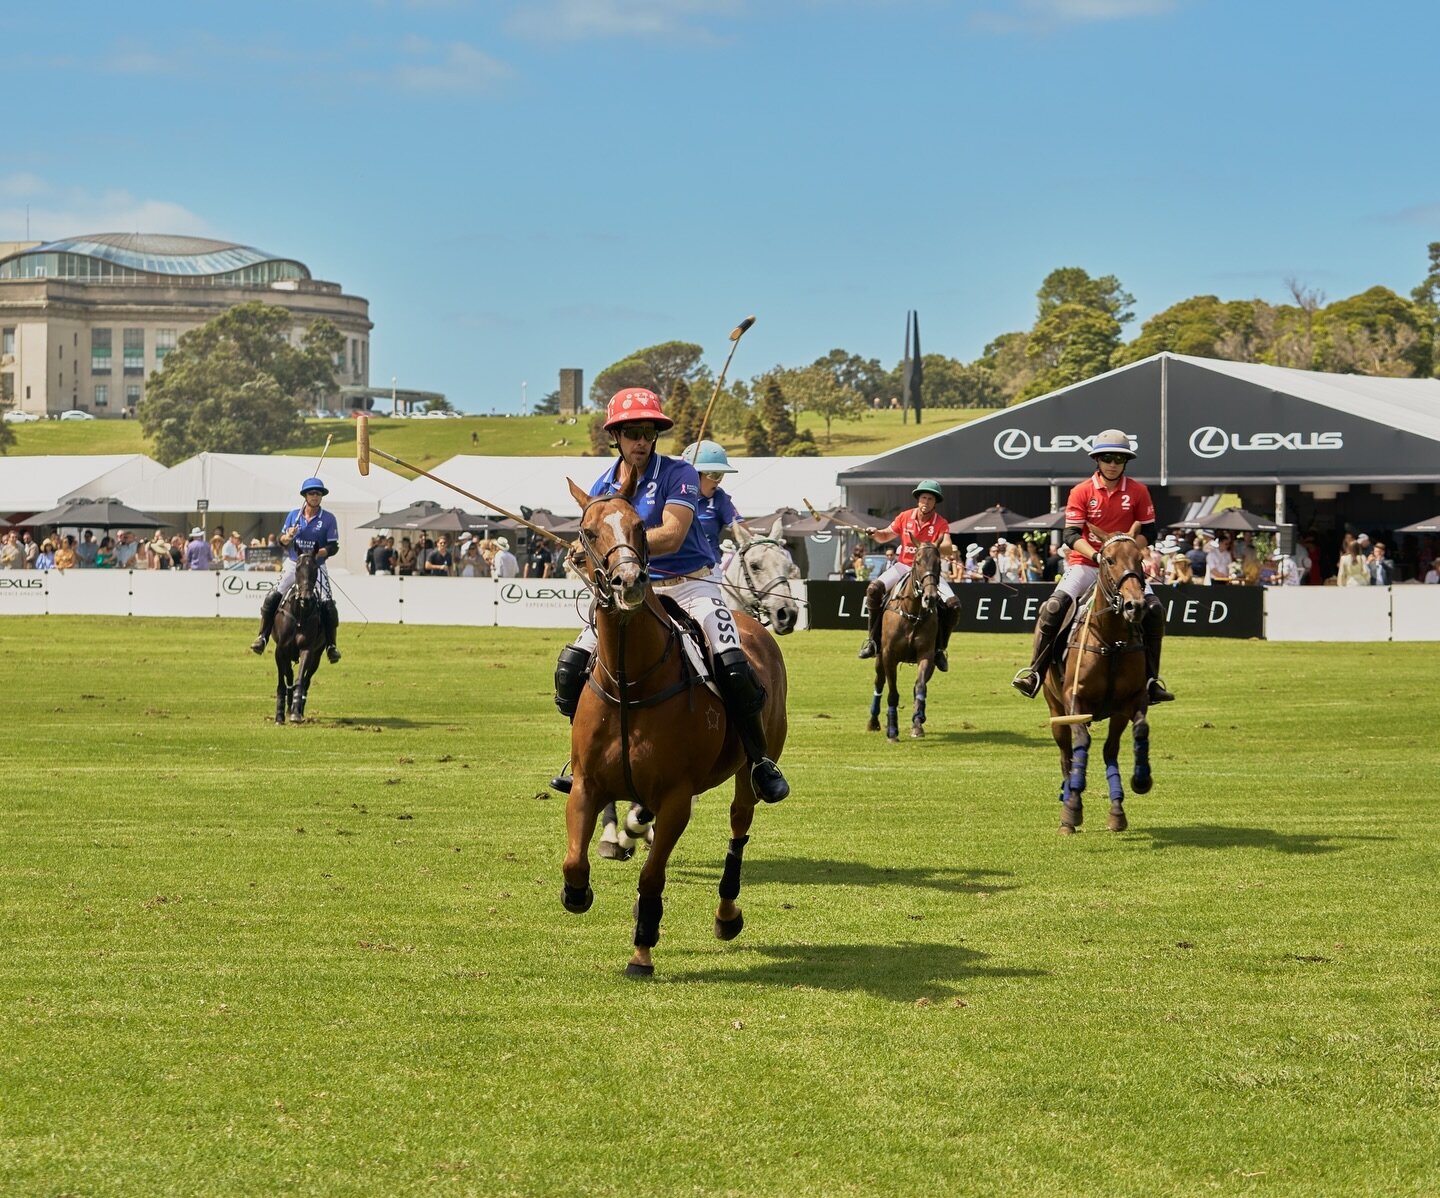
x,y
1189,610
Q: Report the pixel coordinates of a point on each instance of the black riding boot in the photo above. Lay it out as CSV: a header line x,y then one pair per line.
x,y
332,625
1047,631
875,604
745,701
948,615
268,607
571,670
1154,626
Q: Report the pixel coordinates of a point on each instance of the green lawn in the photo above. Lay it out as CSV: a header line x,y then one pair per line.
x,y
331,959
426,442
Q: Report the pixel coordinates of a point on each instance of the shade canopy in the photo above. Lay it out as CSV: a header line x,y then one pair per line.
x,y
1430,525
790,523
1046,523
1235,519
996,519
92,513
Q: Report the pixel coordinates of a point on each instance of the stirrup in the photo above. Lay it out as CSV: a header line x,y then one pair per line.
x,y
333,654
562,781
1159,692
867,649
1027,682
768,781
258,644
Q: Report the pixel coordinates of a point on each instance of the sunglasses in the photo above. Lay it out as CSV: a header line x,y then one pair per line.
x,y
639,432
715,476
1113,459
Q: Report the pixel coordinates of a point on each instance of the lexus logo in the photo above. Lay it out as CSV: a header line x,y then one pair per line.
x,y
233,584
513,592
1210,441
1012,444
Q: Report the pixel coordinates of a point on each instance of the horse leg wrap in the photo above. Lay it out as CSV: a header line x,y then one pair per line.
x,y
875,706
571,670
919,716
1079,759
1112,779
730,878
648,910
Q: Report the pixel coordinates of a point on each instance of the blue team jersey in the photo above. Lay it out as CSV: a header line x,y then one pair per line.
x,y
666,481
319,533
713,515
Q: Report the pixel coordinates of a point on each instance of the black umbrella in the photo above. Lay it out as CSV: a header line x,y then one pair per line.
x,y
92,513
1235,519
1430,525
792,523
405,518
1046,523
997,519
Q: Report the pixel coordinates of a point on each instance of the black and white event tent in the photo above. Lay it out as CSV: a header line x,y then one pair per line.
x,y
1305,446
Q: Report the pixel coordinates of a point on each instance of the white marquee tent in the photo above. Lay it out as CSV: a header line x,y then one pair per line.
x,y
37,484
253,493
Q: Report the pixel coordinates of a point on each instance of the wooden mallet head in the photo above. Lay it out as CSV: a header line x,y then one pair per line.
x,y
739,330
362,442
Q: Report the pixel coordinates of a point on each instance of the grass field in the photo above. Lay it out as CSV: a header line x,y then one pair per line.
x,y
426,442
331,959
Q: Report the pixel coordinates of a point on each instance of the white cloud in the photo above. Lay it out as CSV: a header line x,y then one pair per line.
x,y
1034,16
454,67
1420,214
56,212
580,20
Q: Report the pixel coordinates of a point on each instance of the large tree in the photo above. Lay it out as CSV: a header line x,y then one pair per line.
x,y
1073,285
775,411
1070,344
819,388
657,368
237,385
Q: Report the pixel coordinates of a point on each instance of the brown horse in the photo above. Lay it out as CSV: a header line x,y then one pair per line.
x,y
907,633
1103,677
647,729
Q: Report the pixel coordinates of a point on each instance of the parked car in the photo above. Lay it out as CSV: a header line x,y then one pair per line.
x,y
76,414
20,417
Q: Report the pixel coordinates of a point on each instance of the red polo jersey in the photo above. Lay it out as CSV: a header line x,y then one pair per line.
x,y
912,531
1092,506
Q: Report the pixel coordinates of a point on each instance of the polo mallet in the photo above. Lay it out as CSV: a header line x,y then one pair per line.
x,y
809,507
735,334
362,460
328,438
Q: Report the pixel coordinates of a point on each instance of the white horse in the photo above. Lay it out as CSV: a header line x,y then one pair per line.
x,y
758,579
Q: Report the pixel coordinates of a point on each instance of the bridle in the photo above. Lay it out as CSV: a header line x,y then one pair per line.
x,y
1107,587
755,605
602,569
925,591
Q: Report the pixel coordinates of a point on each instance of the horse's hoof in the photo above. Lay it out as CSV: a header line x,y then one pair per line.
x,y
893,737
1066,830
1117,821
613,852
577,902
916,732
1072,815
1142,786
636,970
728,929
873,726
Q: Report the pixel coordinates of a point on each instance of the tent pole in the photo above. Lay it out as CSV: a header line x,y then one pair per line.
x,y
1281,518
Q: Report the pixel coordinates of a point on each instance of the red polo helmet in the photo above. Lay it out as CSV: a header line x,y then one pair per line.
x,y
634,404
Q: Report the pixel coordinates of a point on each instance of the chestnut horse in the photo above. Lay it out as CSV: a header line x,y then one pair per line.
x,y
907,633
1103,677
299,641
647,729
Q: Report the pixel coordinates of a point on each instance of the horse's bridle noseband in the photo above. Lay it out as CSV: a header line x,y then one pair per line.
x,y
602,581
1109,587
756,606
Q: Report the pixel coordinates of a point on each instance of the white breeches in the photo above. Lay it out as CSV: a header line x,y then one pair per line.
x,y
701,599
899,570
287,579
1078,579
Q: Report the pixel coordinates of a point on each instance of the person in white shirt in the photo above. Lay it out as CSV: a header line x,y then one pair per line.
x,y
1287,573
1217,563
1432,575
504,564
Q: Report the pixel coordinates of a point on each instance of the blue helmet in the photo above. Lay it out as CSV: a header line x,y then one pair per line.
x,y
314,484
708,457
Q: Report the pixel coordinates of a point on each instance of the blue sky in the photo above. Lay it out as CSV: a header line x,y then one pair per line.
x,y
518,187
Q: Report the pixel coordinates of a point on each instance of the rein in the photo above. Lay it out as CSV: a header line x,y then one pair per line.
x,y
909,594
755,607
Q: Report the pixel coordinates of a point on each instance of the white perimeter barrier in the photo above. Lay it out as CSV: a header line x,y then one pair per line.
x,y
1402,613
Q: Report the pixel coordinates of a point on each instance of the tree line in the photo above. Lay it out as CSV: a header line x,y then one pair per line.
x,y
238,384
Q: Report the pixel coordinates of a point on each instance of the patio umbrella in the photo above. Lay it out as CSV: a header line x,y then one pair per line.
x,y
405,518
1235,519
792,523
1430,525
1046,523
92,513
998,519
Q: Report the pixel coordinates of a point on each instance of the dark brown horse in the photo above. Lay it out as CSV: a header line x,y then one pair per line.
x,y
907,633
1102,676
299,641
646,730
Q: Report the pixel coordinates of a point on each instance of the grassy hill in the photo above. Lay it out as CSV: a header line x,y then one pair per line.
x,y
427,442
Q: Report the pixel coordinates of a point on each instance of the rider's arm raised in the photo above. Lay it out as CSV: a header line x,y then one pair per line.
x,y
670,534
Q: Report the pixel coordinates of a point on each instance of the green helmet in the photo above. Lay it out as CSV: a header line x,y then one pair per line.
x,y
928,485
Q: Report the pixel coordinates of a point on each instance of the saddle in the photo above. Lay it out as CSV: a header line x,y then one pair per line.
x,y
699,661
